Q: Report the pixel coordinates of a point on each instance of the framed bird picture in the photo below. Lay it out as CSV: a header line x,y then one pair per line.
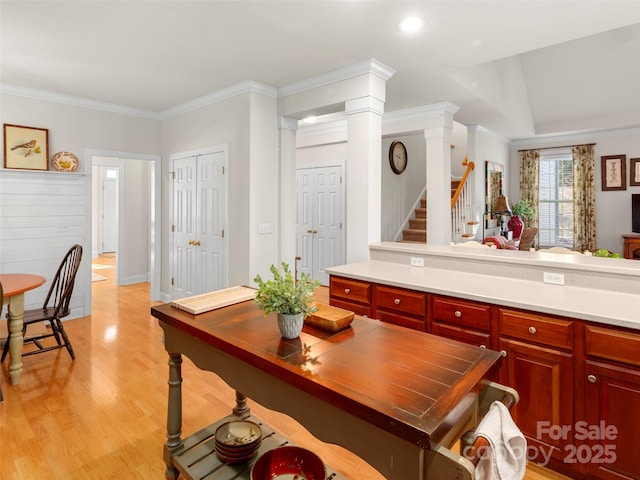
x,y
26,148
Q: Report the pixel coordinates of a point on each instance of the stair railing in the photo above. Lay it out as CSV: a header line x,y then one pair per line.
x,y
462,224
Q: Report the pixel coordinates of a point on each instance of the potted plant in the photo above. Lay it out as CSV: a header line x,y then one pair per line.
x,y
521,209
286,297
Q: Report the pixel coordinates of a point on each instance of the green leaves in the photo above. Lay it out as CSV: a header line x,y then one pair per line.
x,y
283,295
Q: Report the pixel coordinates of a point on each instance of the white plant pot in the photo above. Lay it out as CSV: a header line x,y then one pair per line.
x,y
290,325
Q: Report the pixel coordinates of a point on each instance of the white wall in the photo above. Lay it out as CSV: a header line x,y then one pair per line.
x,y
401,192
31,240
227,121
485,146
613,208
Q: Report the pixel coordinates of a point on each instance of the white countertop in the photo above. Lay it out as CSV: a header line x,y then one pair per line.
x,y
602,306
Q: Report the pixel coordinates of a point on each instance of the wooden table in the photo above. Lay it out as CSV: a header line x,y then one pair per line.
x,y
391,395
14,286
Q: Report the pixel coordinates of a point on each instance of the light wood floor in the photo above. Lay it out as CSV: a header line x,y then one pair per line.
x,y
103,415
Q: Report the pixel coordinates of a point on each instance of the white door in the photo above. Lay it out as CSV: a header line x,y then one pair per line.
x,y
109,215
210,221
199,245
319,233
184,227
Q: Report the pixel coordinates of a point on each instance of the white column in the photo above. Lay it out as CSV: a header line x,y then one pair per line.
x,y
287,128
438,140
363,175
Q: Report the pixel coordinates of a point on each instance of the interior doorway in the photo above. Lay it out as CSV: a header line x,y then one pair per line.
x,y
108,210
137,190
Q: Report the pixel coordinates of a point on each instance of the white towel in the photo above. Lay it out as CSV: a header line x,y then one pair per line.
x,y
508,456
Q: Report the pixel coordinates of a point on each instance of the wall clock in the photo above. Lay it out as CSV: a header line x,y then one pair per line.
x,y
397,157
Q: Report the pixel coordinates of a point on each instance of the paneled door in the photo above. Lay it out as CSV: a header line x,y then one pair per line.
x,y
109,205
319,231
199,213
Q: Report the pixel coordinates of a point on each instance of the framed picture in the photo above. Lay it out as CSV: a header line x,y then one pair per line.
x,y
634,172
614,172
26,147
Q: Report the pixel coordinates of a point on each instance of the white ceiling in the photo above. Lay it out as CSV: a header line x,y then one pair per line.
x,y
518,68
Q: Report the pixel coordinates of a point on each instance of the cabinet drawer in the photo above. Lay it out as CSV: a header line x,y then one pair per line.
x,y
548,331
461,334
402,320
612,344
364,310
350,290
401,301
461,313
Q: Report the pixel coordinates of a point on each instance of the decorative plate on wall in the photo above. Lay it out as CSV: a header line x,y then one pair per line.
x,y
65,162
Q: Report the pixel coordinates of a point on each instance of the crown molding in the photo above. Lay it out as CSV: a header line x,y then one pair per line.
x,y
371,66
226,93
75,101
339,126
426,111
574,136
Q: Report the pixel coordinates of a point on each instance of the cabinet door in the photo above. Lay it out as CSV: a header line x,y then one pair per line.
x,y
612,406
543,378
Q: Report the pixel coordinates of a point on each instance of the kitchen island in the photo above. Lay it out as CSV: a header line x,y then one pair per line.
x,y
395,397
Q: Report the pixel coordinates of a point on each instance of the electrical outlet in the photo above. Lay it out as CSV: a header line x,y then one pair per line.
x,y
553,278
417,262
62,228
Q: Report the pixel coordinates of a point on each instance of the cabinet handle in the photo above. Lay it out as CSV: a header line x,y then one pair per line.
x,y
457,313
397,301
190,242
347,290
197,243
309,231
592,378
532,330
503,353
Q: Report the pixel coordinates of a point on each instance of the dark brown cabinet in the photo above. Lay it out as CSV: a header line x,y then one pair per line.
x,y
577,381
611,404
462,320
402,307
538,363
350,294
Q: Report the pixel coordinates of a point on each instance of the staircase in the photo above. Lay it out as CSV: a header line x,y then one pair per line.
x,y
417,231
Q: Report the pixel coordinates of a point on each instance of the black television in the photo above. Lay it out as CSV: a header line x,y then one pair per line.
x,y
635,212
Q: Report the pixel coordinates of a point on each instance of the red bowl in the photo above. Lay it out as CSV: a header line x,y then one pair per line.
x,y
288,461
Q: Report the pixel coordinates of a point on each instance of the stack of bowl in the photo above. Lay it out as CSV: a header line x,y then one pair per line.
x,y
238,441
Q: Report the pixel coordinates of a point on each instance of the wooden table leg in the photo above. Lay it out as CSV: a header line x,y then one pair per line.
x,y
16,341
174,414
241,408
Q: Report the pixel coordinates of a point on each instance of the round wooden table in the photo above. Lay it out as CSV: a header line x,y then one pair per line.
x,y
14,285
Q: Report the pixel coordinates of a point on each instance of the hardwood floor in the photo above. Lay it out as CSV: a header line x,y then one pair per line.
x,y
103,415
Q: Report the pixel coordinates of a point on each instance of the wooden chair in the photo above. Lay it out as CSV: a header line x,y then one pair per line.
x,y
60,296
527,238
1,301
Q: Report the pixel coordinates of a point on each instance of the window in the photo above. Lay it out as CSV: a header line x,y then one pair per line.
x,y
555,207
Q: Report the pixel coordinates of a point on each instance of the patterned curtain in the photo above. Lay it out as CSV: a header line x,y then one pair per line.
x,y
529,179
584,198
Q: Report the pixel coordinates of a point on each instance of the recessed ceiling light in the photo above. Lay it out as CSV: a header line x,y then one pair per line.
x,y
411,24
